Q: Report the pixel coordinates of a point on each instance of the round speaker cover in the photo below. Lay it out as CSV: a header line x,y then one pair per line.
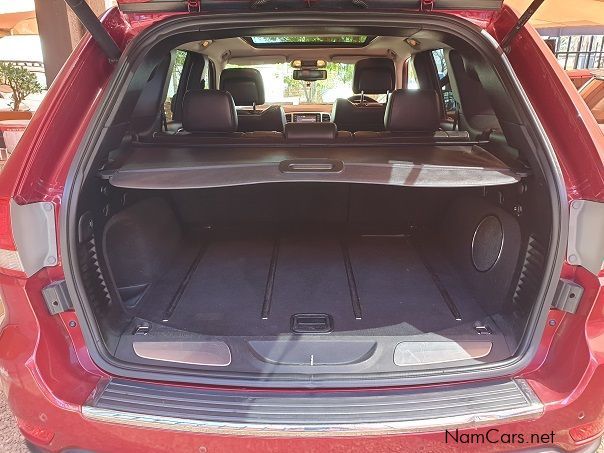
x,y
487,243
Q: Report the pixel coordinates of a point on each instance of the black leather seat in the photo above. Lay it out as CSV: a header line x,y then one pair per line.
x,y
247,88
210,113
413,113
371,76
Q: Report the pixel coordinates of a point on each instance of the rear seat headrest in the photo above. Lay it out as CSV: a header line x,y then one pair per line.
x,y
209,111
310,131
413,111
374,76
244,84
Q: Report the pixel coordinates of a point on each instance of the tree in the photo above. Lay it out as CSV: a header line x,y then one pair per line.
x,y
339,74
20,80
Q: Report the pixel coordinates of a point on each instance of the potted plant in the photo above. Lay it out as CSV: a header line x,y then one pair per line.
x,y
21,81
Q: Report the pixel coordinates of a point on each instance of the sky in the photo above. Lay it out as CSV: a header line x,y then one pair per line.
x,y
12,6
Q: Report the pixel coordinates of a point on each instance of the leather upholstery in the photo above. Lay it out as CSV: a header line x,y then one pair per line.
x,y
374,76
412,111
209,111
244,84
412,137
311,131
358,117
270,119
247,88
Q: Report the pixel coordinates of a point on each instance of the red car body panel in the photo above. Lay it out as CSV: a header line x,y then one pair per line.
x,y
45,366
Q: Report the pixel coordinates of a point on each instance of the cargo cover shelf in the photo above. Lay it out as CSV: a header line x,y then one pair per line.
x,y
413,165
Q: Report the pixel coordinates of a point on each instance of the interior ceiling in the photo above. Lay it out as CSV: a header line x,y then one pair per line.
x,y
239,51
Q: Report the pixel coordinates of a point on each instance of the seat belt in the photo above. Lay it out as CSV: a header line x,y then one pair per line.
x,y
456,116
164,120
485,135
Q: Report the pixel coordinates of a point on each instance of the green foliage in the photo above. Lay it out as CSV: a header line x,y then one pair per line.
x,y
20,80
179,63
338,74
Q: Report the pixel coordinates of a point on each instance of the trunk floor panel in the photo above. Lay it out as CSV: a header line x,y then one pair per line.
x,y
219,282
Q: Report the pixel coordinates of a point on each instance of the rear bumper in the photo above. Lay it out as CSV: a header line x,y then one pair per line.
x,y
52,384
592,447
96,429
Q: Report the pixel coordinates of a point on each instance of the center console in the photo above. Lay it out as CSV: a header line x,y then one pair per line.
x,y
308,117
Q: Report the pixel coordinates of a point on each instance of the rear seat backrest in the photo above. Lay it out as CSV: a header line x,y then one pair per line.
x,y
413,114
412,111
209,112
212,115
247,88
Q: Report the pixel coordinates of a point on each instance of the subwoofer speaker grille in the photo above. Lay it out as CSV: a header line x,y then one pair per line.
x,y
487,243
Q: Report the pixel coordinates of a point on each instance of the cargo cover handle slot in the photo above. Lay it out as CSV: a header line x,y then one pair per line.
x,y
311,166
311,323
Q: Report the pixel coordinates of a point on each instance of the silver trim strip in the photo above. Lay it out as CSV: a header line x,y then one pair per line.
x,y
208,353
532,410
413,353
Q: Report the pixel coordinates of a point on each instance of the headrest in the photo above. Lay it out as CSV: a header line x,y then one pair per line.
x,y
244,84
209,111
412,111
310,131
374,76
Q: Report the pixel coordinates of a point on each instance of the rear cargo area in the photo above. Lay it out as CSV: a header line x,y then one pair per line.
x,y
367,283
312,278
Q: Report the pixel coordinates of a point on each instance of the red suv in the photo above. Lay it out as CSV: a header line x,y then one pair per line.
x,y
294,226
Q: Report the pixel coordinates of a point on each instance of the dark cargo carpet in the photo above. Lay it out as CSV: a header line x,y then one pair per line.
x,y
219,284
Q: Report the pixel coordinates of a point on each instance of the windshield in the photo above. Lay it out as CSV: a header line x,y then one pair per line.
x,y
281,88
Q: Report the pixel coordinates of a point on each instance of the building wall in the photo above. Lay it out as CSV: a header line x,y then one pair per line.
x,y
579,51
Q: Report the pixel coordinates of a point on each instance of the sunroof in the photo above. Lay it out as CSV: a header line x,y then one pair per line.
x,y
345,40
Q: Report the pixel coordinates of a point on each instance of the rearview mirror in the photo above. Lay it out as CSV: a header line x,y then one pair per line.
x,y
310,75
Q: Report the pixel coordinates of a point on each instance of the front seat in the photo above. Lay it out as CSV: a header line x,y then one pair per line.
x,y
372,76
247,88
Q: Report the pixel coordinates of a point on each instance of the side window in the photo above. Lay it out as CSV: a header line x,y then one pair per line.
x,y
174,81
443,76
412,80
